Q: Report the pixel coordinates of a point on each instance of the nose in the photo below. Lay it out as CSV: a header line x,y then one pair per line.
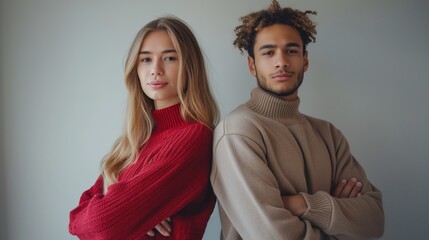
x,y
282,61
157,69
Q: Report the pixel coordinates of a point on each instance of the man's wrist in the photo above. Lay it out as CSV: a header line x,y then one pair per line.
x,y
296,204
303,207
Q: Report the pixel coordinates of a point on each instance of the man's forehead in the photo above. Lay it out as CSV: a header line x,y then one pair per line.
x,y
278,34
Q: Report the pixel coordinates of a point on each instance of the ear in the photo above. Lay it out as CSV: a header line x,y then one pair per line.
x,y
251,64
305,61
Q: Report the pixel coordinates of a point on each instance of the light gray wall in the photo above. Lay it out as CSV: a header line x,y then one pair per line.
x,y
63,98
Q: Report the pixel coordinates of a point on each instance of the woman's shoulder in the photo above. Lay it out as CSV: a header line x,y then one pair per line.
x,y
193,129
199,128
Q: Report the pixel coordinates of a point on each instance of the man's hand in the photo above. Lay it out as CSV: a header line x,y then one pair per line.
x,y
348,189
163,228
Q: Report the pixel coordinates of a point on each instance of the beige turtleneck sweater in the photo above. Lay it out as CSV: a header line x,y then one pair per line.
x,y
266,149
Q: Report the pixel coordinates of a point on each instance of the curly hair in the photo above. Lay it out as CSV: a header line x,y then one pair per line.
x,y
256,21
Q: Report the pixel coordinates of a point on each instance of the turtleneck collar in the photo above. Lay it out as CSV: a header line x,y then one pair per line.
x,y
168,117
274,107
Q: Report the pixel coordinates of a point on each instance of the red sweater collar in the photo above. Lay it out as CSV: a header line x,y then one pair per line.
x,y
168,117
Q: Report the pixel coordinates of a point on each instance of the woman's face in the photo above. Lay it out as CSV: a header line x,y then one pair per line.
x,y
158,69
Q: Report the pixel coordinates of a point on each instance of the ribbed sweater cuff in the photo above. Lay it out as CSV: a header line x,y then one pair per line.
x,y
319,211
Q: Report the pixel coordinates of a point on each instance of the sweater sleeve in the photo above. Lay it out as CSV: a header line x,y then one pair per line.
x,y
249,193
361,217
176,176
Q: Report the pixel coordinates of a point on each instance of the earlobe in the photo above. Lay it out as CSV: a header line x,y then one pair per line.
x,y
251,64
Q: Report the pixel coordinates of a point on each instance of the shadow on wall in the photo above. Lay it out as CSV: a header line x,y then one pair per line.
x,y
3,228
3,215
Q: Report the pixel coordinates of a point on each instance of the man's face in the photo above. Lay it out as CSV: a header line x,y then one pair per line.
x,y
280,61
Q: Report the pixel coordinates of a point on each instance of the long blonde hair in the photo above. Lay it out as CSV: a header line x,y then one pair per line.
x,y
196,99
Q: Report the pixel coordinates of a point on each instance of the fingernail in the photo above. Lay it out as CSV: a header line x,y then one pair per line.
x,y
343,181
151,234
353,180
359,184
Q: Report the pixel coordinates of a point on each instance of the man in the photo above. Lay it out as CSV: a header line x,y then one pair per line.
x,y
277,173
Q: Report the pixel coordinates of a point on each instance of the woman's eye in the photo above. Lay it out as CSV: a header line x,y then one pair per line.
x,y
170,58
145,60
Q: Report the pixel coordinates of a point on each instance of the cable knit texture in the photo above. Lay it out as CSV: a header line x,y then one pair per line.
x,y
169,179
266,149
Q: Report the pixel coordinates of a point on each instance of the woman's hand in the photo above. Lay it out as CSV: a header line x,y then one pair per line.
x,y
163,228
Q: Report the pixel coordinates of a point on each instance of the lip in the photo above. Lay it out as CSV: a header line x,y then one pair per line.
x,y
157,84
282,76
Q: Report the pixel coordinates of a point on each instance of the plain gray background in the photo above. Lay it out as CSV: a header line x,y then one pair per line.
x,y
63,96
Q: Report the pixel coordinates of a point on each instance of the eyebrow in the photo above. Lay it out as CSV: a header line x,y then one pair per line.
x,y
165,51
269,46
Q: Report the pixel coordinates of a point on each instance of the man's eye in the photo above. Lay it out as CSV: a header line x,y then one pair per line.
x,y
267,53
292,51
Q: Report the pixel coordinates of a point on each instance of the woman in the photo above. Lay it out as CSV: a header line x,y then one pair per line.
x,y
159,168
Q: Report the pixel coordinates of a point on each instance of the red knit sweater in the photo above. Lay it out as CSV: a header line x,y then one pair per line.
x,y
169,179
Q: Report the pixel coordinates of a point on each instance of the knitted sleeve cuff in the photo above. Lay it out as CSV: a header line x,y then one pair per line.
x,y
319,211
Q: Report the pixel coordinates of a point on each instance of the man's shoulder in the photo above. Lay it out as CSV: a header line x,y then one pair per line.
x,y
241,120
317,121
324,127
240,113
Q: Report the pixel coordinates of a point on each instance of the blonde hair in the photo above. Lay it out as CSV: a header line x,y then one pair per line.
x,y
196,99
